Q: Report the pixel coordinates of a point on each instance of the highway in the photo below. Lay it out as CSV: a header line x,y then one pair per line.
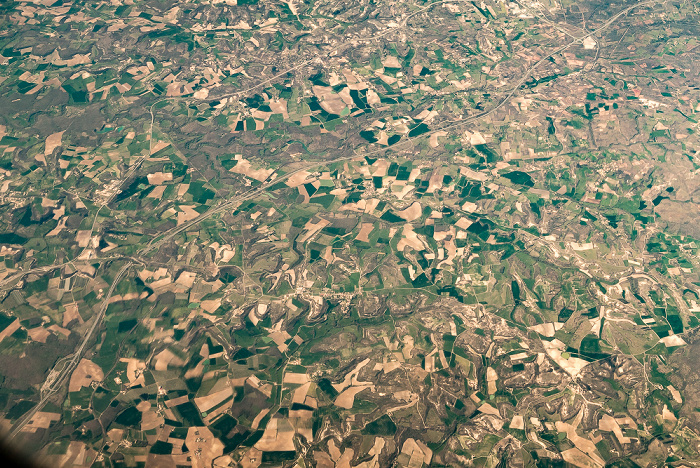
x,y
68,364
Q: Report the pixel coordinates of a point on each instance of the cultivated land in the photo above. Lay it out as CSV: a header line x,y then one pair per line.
x,y
333,234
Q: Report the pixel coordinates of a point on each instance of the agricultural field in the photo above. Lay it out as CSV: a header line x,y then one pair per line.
x,y
350,234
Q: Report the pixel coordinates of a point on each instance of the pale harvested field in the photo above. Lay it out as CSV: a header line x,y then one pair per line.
x,y
186,214
672,340
157,178
411,213
430,362
76,455
11,328
408,344
177,401
609,424
167,358
151,420
517,422
488,409
83,238
251,459
71,313
278,436
161,284
417,452
265,389
41,420
339,192
115,435
312,229
675,394
435,181
134,367
210,305
279,106
127,297
56,329
585,446
400,190
323,460
186,279
294,378
358,207
433,141
491,378
328,100
243,167
668,414
577,458
348,380
38,334
256,422
381,167
157,192
300,393
390,366
362,206
144,406
200,439
410,239
260,115
206,403
371,205
546,329
280,337
159,146
53,141
451,249
480,176
572,365
347,398
297,179
463,223
304,193
83,375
